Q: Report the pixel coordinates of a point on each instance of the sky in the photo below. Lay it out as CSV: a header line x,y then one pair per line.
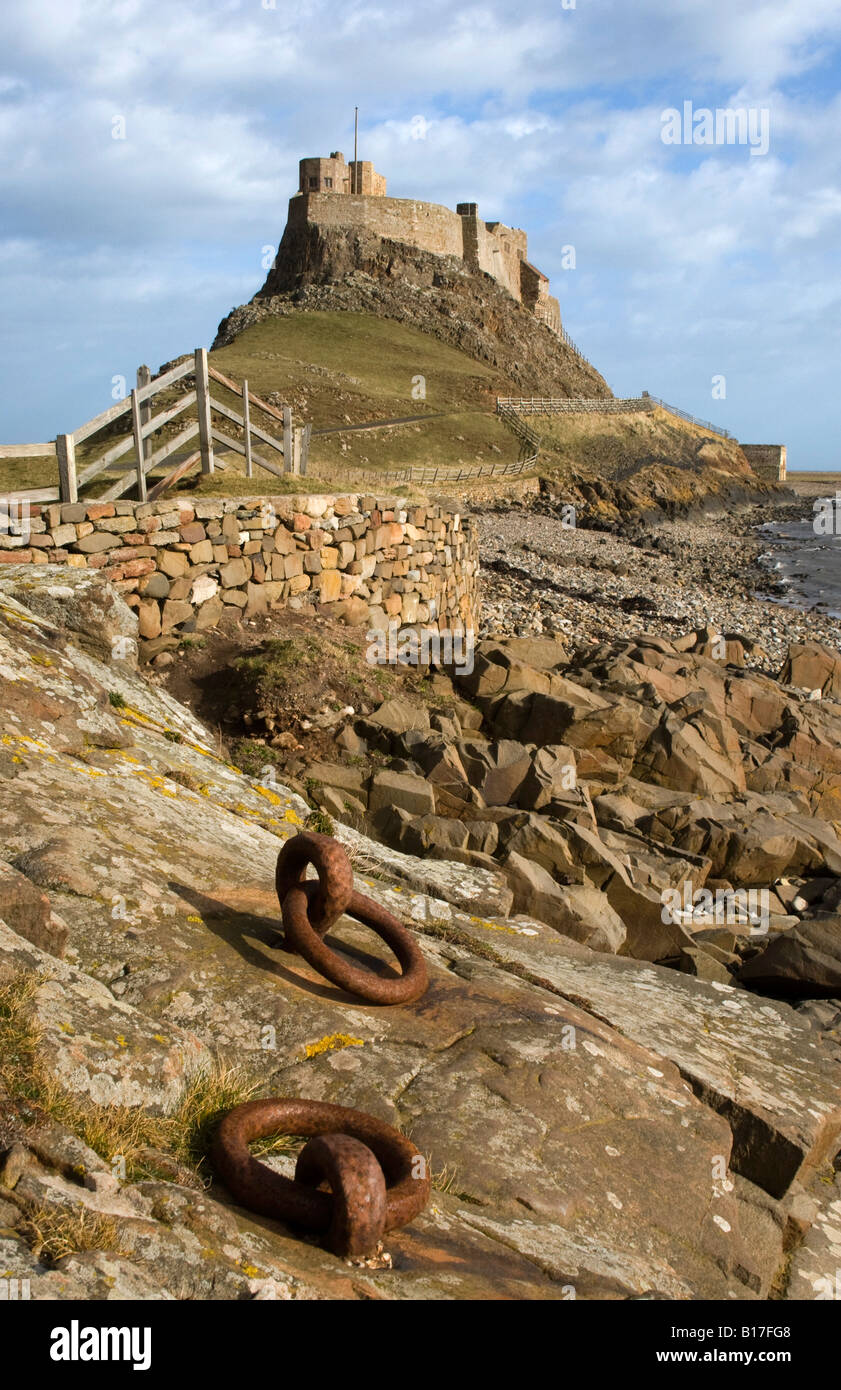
x,y
149,150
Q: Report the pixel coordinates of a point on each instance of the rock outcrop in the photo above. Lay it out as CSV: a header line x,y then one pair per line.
x,y
319,268
597,1126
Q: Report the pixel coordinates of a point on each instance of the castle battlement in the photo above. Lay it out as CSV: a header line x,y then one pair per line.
x,y
333,193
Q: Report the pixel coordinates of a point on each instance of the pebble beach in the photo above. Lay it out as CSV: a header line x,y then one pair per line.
x,y
541,575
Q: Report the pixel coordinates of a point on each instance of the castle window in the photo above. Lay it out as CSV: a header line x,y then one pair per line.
x,y
328,183
313,181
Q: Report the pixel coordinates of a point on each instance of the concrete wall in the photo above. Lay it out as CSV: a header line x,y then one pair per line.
x,y
768,460
182,563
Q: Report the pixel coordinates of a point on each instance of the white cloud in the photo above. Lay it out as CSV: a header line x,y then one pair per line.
x,y
549,118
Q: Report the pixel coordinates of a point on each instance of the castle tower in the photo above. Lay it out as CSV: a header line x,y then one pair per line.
x,y
334,175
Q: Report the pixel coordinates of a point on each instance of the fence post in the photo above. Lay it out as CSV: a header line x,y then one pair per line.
x,y
65,448
144,376
203,409
246,425
287,439
137,430
305,448
297,441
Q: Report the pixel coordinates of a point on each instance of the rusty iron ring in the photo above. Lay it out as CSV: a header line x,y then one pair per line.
x,y
310,909
363,1204
301,936
335,875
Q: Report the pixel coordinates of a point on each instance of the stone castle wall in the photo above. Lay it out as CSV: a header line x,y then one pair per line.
x,y
499,251
491,247
181,563
424,225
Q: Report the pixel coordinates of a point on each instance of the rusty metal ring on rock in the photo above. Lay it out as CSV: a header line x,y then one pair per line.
x,y
304,926
378,1180
335,875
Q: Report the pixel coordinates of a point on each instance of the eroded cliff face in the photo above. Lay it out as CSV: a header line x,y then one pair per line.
x,y
358,271
586,1116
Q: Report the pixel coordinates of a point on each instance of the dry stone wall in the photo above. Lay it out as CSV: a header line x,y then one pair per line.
x,y
182,563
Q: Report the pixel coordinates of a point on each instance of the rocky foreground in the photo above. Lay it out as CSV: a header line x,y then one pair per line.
x,y
599,1125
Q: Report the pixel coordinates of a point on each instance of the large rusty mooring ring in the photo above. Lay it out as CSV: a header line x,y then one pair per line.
x,y
310,909
378,1179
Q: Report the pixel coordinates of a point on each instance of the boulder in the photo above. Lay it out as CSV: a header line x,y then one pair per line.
x,y
551,781
495,770
422,835
535,891
677,756
397,716
584,914
402,790
539,841
811,666
803,963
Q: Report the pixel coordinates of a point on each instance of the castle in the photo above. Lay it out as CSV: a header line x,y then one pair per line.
x,y
333,193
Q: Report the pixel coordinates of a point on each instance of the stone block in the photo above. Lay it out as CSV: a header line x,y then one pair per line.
x,y
173,563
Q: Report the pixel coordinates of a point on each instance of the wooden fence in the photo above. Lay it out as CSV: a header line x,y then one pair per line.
x,y
609,405
427,472
278,455
568,405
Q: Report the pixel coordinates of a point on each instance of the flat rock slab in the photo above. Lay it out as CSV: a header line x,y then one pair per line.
x,y
96,1045
751,1059
574,1109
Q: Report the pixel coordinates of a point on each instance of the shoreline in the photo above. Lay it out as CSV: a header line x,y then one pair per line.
x,y
665,578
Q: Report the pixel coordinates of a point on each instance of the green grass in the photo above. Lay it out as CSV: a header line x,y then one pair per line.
x,y
28,473
334,369
115,1131
468,437
356,367
604,445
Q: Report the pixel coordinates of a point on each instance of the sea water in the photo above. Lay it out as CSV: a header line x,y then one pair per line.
x,y
805,557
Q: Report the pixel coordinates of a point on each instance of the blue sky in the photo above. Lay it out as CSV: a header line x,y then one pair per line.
x,y
691,262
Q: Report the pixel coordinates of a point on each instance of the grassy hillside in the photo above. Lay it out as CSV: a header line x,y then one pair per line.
x,y
340,370
612,446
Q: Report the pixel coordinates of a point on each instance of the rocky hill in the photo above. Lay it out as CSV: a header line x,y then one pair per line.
x,y
332,275
335,269
597,1125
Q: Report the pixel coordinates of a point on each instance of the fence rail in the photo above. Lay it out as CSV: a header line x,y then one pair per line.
x,y
693,419
287,454
568,405
434,473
